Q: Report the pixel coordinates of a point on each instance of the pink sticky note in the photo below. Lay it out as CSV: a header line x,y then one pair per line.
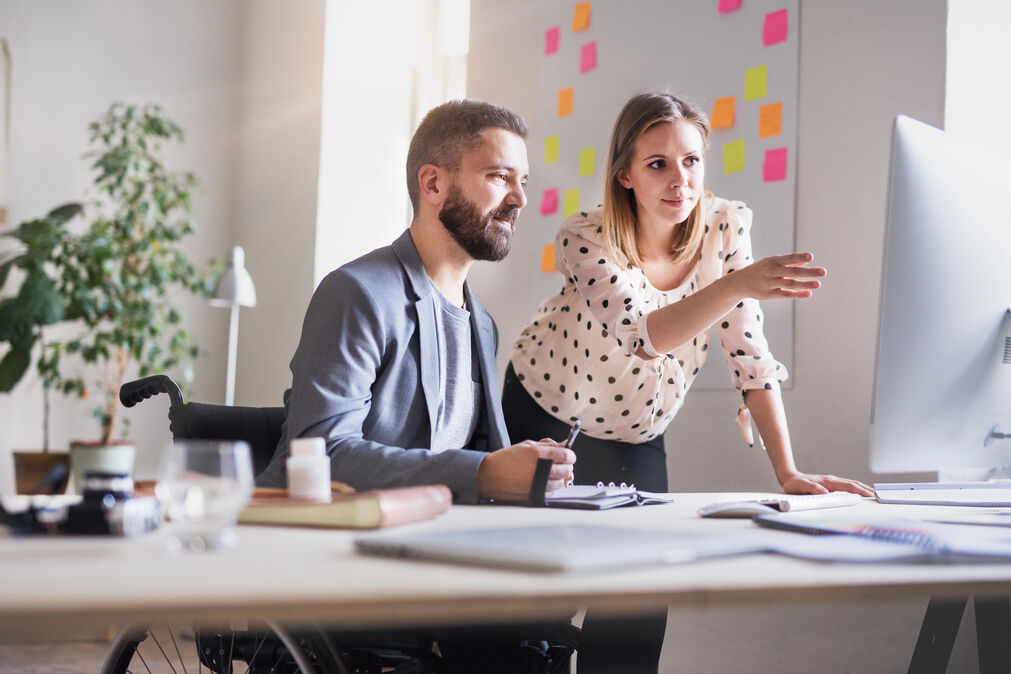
x,y
549,202
728,6
775,27
551,38
588,57
774,166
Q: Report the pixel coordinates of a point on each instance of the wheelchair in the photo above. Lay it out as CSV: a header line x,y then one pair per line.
x,y
271,647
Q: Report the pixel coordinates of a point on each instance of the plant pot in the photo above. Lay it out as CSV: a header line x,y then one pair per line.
x,y
86,457
30,468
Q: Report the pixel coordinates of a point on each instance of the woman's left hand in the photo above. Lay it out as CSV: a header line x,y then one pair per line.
x,y
805,483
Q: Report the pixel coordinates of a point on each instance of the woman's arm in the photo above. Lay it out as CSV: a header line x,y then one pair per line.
x,y
777,277
766,407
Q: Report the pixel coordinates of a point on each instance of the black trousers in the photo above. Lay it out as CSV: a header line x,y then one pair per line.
x,y
607,644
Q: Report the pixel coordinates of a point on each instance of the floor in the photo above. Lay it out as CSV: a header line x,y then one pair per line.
x,y
70,657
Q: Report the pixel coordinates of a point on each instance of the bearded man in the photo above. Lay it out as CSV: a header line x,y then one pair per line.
x,y
395,367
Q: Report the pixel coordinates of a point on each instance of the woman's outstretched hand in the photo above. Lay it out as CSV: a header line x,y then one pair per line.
x,y
804,483
778,277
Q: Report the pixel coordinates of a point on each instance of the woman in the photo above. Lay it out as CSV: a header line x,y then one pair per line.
x,y
646,276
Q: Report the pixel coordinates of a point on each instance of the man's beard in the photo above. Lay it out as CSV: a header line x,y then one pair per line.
x,y
477,234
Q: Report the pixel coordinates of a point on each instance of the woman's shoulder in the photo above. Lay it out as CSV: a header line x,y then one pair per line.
x,y
584,222
727,211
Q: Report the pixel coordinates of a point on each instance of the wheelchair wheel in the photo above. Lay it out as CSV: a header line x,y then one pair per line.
x,y
181,649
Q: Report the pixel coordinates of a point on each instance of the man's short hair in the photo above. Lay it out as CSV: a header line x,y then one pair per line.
x,y
450,130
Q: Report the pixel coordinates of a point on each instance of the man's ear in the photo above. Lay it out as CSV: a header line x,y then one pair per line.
x,y
431,182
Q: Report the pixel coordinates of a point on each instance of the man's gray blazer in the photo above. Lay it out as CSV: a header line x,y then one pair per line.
x,y
365,377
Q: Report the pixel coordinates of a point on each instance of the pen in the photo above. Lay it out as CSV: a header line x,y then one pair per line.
x,y
572,435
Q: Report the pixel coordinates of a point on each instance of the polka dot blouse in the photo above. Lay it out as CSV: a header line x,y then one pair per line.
x,y
576,357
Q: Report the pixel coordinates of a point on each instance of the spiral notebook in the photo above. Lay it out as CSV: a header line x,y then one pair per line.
x,y
898,538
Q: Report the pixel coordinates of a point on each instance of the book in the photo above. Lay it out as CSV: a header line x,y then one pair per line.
x,y
601,497
355,510
972,494
899,538
780,503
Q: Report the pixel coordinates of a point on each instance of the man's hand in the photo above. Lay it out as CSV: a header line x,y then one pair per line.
x,y
507,473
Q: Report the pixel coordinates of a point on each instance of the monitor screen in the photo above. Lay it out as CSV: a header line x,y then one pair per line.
x,y
940,383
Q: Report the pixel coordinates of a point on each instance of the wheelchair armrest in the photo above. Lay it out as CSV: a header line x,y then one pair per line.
x,y
133,392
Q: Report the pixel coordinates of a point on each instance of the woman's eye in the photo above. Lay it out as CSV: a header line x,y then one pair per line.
x,y
658,164
691,161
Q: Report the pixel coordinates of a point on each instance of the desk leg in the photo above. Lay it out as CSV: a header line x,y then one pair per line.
x,y
993,633
937,636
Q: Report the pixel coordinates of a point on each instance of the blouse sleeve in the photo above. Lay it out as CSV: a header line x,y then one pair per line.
x,y
604,283
741,336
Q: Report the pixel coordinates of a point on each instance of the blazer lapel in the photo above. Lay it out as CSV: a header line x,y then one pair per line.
x,y
428,354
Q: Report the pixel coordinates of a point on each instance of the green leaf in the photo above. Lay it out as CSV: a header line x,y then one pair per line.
x,y
62,214
14,365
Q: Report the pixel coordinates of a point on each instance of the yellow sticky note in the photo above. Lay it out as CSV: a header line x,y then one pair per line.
x,y
571,203
581,16
551,146
733,157
723,112
587,161
565,102
770,120
756,82
548,258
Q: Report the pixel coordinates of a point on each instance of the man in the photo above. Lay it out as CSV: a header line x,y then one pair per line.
x,y
396,364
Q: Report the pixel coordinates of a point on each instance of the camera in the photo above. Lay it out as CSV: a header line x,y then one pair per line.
x,y
108,507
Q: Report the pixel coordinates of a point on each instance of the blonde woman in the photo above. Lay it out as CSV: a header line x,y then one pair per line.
x,y
619,346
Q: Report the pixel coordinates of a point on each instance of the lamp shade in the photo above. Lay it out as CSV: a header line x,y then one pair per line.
x,y
235,288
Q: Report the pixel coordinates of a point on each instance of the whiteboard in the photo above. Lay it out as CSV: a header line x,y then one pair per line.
x,y
523,55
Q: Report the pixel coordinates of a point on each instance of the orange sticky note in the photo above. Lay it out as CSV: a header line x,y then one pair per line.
x,y
770,120
581,16
565,102
723,112
548,258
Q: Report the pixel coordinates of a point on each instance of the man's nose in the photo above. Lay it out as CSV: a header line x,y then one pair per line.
x,y
517,196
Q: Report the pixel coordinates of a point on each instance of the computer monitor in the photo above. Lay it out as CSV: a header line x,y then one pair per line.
x,y
941,384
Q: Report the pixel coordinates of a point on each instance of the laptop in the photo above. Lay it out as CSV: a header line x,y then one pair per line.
x,y
557,547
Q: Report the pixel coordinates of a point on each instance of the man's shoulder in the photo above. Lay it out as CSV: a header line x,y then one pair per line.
x,y
376,271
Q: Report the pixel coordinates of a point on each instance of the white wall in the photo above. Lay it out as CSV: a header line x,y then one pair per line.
x,y
243,78
70,61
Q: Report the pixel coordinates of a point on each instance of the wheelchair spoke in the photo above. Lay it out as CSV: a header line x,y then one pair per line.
x,y
176,646
143,662
249,666
168,660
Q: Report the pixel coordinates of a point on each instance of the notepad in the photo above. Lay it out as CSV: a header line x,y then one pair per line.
x,y
602,497
971,494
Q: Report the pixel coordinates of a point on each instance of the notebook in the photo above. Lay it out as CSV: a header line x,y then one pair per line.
x,y
602,497
972,494
558,547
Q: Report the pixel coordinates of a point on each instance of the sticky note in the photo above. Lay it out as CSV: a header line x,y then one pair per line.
x,y
756,82
587,161
723,112
588,57
551,144
770,120
775,28
549,201
565,102
733,157
774,166
581,16
548,258
552,36
728,6
571,204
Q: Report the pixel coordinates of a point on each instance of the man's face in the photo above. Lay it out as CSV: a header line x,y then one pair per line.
x,y
486,195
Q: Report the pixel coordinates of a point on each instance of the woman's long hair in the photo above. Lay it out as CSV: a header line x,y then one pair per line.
x,y
641,113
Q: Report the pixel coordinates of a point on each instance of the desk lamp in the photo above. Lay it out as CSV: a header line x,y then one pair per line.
x,y
235,289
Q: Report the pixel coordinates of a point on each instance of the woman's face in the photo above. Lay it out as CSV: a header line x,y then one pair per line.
x,y
666,173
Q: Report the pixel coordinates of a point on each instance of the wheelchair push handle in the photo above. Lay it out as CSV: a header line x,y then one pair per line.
x,y
139,390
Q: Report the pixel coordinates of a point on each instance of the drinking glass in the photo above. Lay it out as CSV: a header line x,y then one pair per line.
x,y
202,486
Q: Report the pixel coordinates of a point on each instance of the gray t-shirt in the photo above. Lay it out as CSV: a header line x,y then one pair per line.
x,y
459,394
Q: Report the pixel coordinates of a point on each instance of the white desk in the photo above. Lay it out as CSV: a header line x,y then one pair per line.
x,y
294,575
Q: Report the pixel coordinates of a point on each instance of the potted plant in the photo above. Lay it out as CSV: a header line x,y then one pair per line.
x,y
116,276
37,246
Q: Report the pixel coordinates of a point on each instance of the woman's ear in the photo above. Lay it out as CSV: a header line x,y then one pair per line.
x,y
622,177
428,183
